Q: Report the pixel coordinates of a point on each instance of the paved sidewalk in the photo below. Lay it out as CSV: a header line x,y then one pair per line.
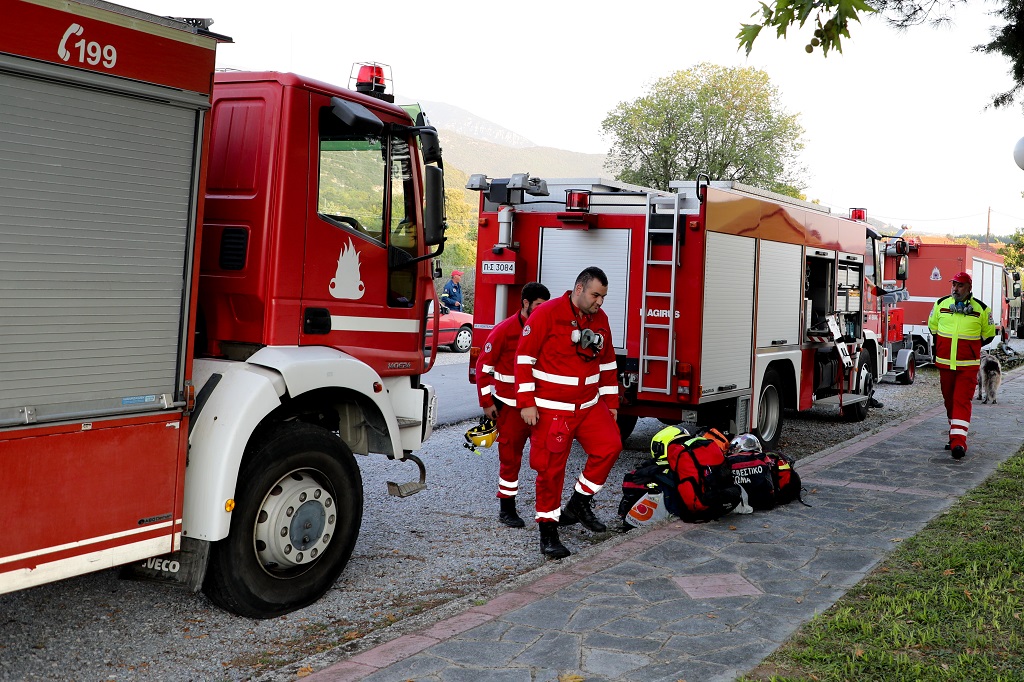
x,y
709,602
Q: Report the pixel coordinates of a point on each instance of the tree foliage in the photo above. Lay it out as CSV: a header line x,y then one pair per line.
x,y
726,122
827,22
1013,251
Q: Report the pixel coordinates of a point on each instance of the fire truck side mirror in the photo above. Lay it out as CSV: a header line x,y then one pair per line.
x,y
430,146
356,116
1016,289
902,248
433,211
902,266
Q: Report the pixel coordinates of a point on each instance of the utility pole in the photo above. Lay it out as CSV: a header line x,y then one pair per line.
x,y
988,229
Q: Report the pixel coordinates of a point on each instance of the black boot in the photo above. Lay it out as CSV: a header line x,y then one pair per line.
x,y
550,545
579,510
508,514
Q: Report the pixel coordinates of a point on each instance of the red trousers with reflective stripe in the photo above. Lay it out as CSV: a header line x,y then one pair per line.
x,y
513,433
550,443
958,386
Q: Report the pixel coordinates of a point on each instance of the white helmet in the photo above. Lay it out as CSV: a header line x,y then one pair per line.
x,y
745,442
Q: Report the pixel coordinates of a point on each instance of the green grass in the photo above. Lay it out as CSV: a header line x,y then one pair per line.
x,y
948,605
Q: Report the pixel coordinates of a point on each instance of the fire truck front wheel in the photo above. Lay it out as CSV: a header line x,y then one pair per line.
x,y
769,410
298,509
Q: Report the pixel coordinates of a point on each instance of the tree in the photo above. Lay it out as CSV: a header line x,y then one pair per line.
x,y
830,22
726,122
1013,252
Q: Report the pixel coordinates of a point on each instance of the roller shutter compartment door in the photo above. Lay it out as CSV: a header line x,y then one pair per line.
x,y
95,212
565,253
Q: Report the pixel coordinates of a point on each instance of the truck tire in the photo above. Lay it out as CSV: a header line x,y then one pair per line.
x,y
921,349
907,376
770,404
298,509
865,367
463,340
1020,331
626,424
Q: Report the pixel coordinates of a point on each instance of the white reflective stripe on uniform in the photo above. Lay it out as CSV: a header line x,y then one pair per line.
x,y
488,369
565,407
959,422
585,487
555,405
607,366
510,488
548,516
527,388
507,401
484,390
608,390
958,432
556,378
507,378
592,379
525,360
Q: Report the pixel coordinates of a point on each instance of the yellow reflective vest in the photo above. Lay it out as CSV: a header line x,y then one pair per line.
x,y
960,330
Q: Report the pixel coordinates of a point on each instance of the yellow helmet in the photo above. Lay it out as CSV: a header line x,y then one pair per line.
x,y
662,439
481,436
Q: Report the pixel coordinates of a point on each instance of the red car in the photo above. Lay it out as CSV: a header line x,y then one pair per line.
x,y
455,329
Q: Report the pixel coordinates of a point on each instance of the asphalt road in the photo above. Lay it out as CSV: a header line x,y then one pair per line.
x,y
456,397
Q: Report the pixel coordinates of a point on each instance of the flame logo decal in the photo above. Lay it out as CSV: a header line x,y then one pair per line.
x,y
346,282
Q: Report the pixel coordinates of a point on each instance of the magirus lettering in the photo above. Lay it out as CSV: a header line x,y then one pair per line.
x,y
662,313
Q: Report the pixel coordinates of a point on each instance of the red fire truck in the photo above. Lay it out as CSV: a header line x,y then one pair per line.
x,y
728,304
214,292
932,266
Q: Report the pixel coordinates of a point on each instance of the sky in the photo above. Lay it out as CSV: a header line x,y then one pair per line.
x,y
897,124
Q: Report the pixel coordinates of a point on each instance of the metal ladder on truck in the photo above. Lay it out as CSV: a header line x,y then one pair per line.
x,y
657,333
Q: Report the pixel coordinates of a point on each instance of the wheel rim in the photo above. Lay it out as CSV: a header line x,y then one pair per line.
x,y
769,407
295,523
464,339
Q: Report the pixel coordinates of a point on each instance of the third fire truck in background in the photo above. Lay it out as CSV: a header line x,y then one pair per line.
x,y
931,267
728,304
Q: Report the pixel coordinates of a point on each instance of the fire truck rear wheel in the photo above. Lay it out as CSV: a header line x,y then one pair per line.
x,y
769,410
298,509
866,386
463,340
626,424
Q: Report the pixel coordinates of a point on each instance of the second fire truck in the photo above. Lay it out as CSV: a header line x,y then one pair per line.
x,y
728,304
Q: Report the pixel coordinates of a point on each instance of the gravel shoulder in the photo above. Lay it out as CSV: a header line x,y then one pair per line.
x,y
417,560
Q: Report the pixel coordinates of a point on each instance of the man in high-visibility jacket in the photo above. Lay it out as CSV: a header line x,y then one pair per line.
x,y
961,325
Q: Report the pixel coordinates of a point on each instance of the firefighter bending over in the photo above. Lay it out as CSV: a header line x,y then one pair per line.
x,y
961,325
566,387
495,375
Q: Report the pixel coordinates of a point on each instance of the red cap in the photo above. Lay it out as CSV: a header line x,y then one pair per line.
x,y
459,272
962,278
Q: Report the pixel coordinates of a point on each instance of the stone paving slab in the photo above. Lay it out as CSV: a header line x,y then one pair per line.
x,y
708,602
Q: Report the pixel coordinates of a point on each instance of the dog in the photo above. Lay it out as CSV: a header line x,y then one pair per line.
x,y
990,375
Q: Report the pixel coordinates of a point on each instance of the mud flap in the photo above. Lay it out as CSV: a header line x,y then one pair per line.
x,y
184,568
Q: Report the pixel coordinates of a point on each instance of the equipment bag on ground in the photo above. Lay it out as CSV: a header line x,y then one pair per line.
x,y
705,486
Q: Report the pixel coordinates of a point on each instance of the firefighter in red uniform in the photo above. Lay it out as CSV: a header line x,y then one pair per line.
x,y
495,375
566,387
961,325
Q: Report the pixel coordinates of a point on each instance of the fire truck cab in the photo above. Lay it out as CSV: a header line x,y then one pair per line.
x,y
214,292
728,304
